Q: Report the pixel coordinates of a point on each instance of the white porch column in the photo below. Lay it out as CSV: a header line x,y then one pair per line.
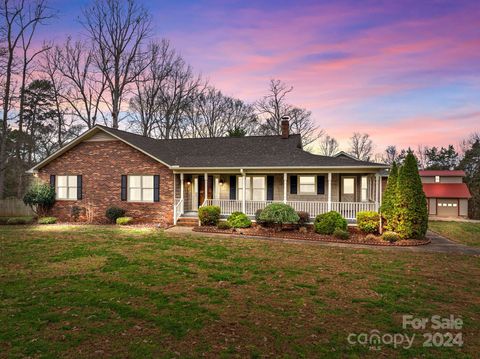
x,y
181,192
329,204
206,186
285,179
377,191
244,192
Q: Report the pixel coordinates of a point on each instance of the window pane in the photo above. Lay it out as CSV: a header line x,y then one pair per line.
x,y
134,181
148,194
348,185
240,182
258,194
307,180
307,188
62,192
135,194
61,181
147,181
72,181
258,182
72,192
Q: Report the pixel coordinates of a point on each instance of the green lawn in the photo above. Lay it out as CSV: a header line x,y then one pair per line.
x,y
462,232
91,291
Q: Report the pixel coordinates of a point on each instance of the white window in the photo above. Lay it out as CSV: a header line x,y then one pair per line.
x,y
254,188
348,185
307,185
364,193
437,179
66,187
140,188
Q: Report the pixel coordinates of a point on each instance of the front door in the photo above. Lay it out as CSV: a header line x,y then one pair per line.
x,y
201,189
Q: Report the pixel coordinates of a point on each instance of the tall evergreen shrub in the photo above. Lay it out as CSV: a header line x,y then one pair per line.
x,y
411,214
389,197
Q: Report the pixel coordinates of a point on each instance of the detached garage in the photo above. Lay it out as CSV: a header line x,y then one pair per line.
x,y
447,199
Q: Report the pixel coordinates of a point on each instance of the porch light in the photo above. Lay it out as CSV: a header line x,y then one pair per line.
x,y
221,182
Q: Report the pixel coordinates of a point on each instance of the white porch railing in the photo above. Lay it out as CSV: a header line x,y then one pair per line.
x,y
177,210
348,210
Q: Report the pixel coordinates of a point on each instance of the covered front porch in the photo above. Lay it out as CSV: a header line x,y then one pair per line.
x,y
247,191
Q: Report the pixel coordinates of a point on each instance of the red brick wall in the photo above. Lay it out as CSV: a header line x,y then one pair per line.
x,y
101,164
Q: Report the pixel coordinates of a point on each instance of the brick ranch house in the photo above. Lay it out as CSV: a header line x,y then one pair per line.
x,y
164,181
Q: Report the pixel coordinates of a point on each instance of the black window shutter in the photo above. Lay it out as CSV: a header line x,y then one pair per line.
x,y
233,187
79,187
123,193
320,184
156,188
52,181
270,181
293,184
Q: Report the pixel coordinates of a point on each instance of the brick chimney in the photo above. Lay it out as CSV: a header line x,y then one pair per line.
x,y
285,126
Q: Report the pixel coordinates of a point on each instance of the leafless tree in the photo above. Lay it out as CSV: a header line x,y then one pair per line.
x,y
328,146
361,146
272,107
17,18
421,154
392,154
83,86
118,29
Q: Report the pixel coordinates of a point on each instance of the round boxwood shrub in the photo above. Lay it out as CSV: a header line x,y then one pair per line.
x,y
123,221
223,225
112,213
368,221
326,223
209,215
341,234
304,218
47,220
390,236
278,214
239,220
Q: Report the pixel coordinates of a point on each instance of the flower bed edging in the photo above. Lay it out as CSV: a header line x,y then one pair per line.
x,y
310,237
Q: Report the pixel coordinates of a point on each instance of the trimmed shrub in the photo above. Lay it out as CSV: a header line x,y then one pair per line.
x,y
123,221
20,220
239,220
326,223
389,197
304,218
40,197
368,221
371,237
279,214
390,236
411,213
223,225
258,213
112,213
209,215
341,233
47,220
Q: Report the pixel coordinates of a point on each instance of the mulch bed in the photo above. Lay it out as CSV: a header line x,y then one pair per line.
x,y
356,237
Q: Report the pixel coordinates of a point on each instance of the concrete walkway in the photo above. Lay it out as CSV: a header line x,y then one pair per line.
x,y
439,244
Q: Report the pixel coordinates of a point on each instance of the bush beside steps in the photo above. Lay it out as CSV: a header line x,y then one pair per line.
x,y
47,220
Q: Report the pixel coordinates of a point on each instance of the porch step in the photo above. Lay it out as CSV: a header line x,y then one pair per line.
x,y
187,221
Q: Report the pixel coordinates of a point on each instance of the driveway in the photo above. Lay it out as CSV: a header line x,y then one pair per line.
x,y
439,244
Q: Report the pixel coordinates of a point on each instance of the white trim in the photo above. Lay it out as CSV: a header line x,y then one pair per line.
x,y
141,189
285,180
329,203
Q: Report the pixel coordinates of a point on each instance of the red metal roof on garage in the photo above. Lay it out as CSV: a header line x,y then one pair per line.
x,y
446,190
455,173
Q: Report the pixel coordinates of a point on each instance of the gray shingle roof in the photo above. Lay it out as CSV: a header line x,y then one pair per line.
x,y
236,152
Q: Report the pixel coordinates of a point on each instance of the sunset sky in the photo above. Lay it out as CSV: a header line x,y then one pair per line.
x,y
406,72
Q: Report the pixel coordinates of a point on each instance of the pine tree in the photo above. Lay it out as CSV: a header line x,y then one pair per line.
x,y
411,213
389,197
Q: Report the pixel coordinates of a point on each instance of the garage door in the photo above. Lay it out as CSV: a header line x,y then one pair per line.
x,y
447,207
